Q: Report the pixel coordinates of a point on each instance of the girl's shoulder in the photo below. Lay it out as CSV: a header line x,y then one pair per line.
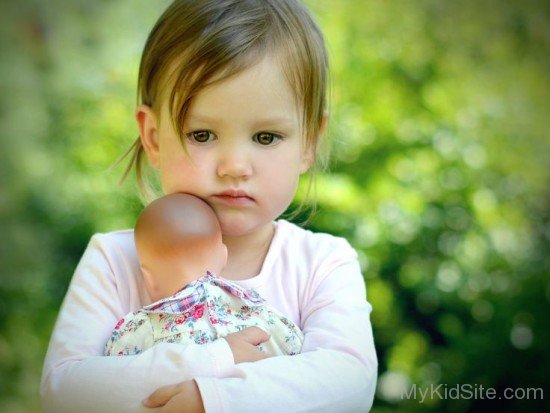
x,y
122,237
297,240
115,245
305,259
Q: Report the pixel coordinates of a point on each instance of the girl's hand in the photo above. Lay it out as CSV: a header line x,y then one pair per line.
x,y
185,396
179,398
243,344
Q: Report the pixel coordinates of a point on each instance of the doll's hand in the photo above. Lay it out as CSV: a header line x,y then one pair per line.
x,y
179,398
243,344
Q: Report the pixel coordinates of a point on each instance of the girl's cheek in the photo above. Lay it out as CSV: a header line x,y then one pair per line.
x,y
184,176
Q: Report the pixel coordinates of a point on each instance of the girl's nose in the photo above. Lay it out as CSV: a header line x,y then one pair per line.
x,y
234,165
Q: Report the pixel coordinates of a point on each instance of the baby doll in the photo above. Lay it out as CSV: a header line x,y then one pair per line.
x,y
180,250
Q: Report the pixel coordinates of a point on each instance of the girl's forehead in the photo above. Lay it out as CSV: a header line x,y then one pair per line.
x,y
265,77
261,87
207,72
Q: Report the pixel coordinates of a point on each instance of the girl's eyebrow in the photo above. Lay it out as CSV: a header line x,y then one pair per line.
x,y
275,120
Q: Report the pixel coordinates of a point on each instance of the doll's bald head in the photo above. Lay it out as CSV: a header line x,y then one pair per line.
x,y
178,238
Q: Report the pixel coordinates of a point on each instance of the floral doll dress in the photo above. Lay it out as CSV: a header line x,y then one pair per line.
x,y
203,311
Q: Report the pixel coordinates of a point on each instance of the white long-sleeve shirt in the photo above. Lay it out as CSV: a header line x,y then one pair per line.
x,y
314,279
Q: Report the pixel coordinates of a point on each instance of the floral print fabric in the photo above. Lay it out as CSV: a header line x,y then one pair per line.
x,y
203,311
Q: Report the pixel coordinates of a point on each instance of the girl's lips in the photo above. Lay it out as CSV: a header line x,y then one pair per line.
x,y
234,197
234,193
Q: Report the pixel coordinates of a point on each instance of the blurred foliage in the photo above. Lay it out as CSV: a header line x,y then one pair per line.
x,y
439,179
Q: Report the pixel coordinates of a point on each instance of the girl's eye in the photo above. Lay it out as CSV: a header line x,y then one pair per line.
x,y
201,136
266,138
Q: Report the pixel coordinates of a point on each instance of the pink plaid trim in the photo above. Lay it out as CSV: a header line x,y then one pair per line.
x,y
194,293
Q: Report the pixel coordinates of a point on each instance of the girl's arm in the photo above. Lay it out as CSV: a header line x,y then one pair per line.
x,y
78,378
336,371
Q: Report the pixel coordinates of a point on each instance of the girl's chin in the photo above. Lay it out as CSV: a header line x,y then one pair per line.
x,y
236,227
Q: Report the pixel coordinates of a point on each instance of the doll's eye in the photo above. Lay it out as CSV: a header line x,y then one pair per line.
x,y
201,136
266,138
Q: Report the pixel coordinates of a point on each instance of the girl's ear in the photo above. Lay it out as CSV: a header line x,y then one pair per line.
x,y
308,157
148,132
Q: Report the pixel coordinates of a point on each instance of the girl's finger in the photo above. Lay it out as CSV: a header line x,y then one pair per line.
x,y
176,404
255,335
161,396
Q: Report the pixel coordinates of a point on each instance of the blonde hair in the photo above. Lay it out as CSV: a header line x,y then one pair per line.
x,y
197,42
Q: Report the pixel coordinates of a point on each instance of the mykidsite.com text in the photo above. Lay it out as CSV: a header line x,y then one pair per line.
x,y
469,391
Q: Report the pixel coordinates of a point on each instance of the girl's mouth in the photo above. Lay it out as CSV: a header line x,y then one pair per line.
x,y
234,197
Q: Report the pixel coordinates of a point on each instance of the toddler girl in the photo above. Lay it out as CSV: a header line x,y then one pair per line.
x,y
179,244
232,110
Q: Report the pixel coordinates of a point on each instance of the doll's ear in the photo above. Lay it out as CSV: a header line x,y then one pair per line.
x,y
148,281
148,132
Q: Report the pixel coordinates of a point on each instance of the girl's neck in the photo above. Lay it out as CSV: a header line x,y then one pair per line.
x,y
246,253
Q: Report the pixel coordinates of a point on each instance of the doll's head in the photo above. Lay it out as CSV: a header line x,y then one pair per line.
x,y
178,238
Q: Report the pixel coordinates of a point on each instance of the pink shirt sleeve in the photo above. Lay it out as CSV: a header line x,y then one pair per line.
x,y
337,369
78,378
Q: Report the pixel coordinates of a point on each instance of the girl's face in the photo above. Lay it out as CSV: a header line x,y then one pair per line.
x,y
245,144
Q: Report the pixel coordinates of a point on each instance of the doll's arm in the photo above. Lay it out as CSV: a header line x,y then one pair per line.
x,y
78,378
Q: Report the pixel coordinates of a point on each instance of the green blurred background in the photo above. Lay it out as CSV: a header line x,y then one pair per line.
x,y
439,179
